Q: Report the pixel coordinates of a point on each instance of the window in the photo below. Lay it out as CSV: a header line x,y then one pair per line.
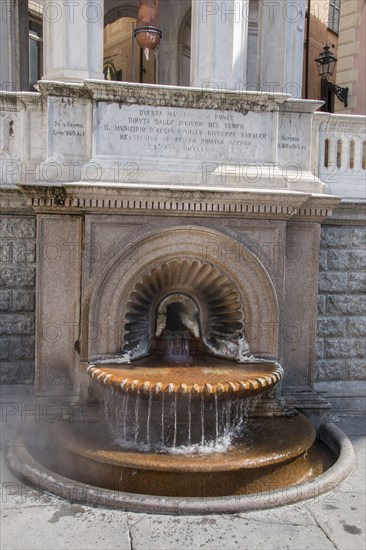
x,y
35,52
333,15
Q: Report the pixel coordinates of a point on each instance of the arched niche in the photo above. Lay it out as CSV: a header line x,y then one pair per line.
x,y
115,9
109,300
215,323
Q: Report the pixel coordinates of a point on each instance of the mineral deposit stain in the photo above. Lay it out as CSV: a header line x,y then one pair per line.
x,y
66,511
352,529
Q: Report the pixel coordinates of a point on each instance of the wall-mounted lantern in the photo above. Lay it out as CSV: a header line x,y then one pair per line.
x,y
326,63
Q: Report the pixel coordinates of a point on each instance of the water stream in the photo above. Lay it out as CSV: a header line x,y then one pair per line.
x,y
173,421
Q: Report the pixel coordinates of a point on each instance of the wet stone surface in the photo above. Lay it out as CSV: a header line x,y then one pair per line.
x,y
33,520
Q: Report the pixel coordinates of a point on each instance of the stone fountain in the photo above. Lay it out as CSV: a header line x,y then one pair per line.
x,y
188,411
186,291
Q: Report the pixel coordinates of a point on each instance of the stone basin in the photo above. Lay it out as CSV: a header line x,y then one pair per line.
x,y
270,454
203,376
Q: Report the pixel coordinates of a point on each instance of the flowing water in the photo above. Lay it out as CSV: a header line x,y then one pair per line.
x,y
174,421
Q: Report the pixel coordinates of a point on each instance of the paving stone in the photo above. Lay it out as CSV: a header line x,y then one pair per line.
x,y
226,532
340,515
63,526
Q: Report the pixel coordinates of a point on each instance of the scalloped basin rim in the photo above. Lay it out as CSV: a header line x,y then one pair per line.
x,y
203,376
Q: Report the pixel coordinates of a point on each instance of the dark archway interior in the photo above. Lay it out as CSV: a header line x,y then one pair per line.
x,y
178,326
175,318
189,297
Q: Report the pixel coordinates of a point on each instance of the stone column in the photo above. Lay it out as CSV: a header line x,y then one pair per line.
x,y
73,40
298,326
219,44
59,239
14,30
281,46
7,46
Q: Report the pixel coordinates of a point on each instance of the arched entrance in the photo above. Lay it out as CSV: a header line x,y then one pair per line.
x,y
123,60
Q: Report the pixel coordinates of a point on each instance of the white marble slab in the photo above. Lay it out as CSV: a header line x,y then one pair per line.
x,y
69,127
135,132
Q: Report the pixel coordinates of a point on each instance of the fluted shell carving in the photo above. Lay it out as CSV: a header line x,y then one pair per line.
x,y
213,291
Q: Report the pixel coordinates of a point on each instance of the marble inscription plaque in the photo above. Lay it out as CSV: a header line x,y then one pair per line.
x,y
69,127
140,132
293,147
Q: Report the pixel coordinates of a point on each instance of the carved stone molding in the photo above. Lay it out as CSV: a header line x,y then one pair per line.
x,y
258,203
219,310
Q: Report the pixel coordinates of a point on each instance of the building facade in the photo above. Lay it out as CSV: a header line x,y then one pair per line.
x,y
221,48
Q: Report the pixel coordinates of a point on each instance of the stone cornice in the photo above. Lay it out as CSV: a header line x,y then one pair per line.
x,y
16,101
317,207
189,98
174,96
62,89
308,106
340,123
103,198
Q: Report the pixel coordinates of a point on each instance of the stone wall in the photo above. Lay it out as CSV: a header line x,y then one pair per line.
x,y
342,303
17,292
342,295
